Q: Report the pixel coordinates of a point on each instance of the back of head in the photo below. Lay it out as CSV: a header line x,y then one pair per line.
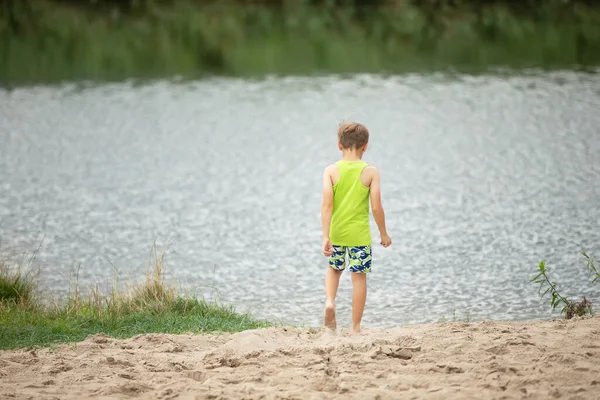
x,y
353,135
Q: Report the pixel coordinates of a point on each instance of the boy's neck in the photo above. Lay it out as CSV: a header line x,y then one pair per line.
x,y
352,155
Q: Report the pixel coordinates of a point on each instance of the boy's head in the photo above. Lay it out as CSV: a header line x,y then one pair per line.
x,y
353,136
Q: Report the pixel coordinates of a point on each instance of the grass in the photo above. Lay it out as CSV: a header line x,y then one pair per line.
x,y
15,287
455,318
571,308
63,42
150,307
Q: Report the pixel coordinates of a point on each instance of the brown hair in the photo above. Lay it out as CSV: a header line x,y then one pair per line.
x,y
353,135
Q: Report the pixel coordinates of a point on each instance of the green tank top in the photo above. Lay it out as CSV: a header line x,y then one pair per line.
x,y
350,217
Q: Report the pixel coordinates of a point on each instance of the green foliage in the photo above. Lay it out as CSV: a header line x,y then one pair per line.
x,y
48,41
15,287
592,270
569,308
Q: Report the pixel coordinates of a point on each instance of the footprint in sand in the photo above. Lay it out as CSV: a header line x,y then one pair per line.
x,y
130,389
391,351
118,363
99,338
198,376
498,350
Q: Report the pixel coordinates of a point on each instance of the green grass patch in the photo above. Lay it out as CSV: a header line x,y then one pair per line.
x,y
150,307
30,327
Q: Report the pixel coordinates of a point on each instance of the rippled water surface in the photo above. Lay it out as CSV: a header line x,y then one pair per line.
x,y
482,178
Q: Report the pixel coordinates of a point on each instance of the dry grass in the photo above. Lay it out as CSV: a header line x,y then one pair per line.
x,y
150,306
151,294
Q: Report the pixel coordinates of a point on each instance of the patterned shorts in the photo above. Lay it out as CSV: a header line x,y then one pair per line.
x,y
359,258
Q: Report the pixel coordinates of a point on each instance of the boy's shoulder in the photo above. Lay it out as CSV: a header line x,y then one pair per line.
x,y
332,173
370,170
330,167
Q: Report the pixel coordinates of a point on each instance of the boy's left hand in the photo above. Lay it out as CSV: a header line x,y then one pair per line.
x,y
327,247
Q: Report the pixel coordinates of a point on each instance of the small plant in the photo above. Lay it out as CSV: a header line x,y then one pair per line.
x,y
17,278
591,267
570,308
455,318
467,317
15,286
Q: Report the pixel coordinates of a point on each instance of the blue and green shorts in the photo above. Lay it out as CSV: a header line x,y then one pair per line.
x,y
359,258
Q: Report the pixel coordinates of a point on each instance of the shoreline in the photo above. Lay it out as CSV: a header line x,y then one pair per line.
x,y
27,320
539,359
449,75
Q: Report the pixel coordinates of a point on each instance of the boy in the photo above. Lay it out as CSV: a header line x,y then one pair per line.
x,y
347,187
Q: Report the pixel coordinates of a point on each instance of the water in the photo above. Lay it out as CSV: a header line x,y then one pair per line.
x,y
482,178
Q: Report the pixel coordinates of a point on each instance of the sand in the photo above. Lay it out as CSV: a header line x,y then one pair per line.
x,y
486,360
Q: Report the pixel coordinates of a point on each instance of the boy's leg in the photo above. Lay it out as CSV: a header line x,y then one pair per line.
x,y
337,264
359,259
359,298
332,281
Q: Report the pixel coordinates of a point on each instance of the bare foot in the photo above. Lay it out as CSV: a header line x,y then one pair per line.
x,y
357,331
330,321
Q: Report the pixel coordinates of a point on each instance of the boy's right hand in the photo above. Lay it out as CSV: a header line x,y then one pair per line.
x,y
327,247
385,240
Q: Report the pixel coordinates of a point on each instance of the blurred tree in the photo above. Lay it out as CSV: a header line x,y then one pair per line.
x,y
17,15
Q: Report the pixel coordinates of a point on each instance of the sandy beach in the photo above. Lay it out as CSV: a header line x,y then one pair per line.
x,y
485,360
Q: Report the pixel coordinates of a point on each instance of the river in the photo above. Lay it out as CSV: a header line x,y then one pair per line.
x,y
482,177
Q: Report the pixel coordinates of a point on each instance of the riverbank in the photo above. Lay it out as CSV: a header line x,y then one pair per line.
x,y
536,360
151,306
53,41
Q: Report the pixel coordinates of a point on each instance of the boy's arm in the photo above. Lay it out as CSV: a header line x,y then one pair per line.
x,y
377,208
327,210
